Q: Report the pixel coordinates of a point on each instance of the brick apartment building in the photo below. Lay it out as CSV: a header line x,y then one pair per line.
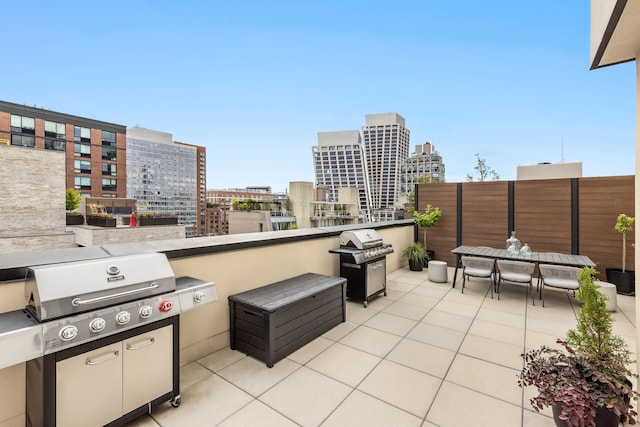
x,y
95,151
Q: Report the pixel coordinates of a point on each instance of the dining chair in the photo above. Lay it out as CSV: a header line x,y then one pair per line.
x,y
558,276
478,267
515,272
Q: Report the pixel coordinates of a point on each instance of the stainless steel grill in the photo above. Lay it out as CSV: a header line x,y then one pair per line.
x,y
363,263
117,313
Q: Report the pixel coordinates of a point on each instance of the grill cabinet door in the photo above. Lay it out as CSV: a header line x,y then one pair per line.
x,y
89,388
147,367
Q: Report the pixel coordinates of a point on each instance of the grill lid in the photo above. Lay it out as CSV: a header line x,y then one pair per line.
x,y
58,290
360,239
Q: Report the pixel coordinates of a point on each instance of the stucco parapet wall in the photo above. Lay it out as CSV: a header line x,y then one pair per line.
x,y
207,245
13,266
87,235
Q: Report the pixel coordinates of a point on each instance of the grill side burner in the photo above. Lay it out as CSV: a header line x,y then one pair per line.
x,y
363,263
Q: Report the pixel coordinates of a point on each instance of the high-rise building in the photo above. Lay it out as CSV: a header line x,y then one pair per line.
x,y
95,157
424,165
386,144
340,162
163,176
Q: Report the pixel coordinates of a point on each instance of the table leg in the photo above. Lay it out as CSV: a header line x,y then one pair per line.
x,y
455,272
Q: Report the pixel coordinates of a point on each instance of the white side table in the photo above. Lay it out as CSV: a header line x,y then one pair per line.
x,y
609,290
438,271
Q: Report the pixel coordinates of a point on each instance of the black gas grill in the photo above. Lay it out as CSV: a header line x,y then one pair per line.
x,y
363,263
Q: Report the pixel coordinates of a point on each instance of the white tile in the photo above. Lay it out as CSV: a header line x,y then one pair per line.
x,y
419,300
448,320
362,410
391,323
498,332
257,413
438,336
457,406
497,352
403,387
345,364
254,377
340,331
371,340
310,350
306,397
502,317
462,309
423,357
409,311
192,373
486,377
198,401
221,359
357,313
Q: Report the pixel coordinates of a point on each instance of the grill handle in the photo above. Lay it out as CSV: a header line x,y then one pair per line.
x,y
109,356
77,301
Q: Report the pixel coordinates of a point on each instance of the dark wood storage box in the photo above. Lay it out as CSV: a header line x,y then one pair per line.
x,y
273,321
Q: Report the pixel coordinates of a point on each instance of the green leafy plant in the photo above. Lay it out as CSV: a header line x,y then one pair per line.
x,y
590,373
73,200
624,223
427,219
414,252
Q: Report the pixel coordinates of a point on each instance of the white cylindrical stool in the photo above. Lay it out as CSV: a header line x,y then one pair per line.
x,y
609,290
438,271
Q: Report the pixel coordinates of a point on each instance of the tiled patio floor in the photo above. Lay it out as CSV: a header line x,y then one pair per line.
x,y
424,355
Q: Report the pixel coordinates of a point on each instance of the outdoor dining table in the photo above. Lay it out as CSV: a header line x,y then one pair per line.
x,y
535,257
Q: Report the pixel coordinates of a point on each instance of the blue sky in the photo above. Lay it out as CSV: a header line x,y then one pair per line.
x,y
254,81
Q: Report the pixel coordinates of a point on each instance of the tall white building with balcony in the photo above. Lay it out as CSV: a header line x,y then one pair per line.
x,y
340,162
386,144
424,165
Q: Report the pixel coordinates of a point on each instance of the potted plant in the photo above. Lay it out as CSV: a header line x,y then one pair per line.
x,y
425,220
416,254
101,220
587,382
623,279
73,200
145,218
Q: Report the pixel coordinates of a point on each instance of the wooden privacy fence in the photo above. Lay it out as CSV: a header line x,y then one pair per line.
x,y
573,215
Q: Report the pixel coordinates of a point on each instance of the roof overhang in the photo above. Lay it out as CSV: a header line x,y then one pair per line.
x,y
615,32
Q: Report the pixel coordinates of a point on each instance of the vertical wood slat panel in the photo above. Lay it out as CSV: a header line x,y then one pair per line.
x,y
601,200
442,237
542,216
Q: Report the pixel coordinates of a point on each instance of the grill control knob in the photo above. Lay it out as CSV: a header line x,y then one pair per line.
x,y
146,311
68,333
165,306
97,325
123,318
199,296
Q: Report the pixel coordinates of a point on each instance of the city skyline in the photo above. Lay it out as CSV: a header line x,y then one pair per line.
x,y
255,82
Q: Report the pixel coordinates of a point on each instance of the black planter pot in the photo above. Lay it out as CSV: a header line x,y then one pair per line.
x,y
625,282
415,265
166,220
75,219
604,417
100,221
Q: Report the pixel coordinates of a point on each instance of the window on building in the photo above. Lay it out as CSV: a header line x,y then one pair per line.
x,y
108,184
108,138
109,153
82,150
81,134
82,183
54,130
54,144
23,140
109,169
23,124
82,166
